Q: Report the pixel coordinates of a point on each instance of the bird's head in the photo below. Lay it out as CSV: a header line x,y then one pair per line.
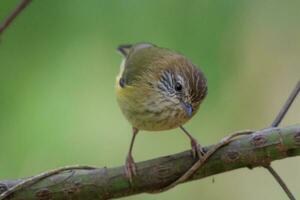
x,y
182,83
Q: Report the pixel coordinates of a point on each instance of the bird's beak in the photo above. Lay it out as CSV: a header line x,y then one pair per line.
x,y
188,109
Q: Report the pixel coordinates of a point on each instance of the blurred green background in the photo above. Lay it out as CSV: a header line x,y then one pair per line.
x,y
58,65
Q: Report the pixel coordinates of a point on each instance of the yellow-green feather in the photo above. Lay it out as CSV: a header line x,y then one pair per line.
x,y
140,100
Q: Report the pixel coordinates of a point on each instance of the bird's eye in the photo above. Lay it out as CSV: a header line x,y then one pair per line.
x,y
122,82
178,87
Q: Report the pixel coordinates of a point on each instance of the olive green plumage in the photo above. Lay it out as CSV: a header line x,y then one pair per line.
x,y
158,89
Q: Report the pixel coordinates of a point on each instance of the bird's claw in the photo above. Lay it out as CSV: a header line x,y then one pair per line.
x,y
197,150
130,167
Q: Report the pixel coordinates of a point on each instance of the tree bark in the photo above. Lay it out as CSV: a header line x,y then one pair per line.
x,y
257,149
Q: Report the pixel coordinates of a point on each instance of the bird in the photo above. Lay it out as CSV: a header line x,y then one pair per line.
x,y
158,89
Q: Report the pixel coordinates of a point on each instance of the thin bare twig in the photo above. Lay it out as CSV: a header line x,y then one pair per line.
x,y
287,105
275,123
199,163
9,19
30,181
280,182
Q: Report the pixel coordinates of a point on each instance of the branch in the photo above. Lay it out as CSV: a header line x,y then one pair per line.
x,y
275,123
21,6
257,149
287,105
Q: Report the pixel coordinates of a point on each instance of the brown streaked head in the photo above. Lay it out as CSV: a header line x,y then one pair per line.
x,y
182,82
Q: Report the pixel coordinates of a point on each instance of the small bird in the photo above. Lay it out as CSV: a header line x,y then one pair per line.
x,y
158,89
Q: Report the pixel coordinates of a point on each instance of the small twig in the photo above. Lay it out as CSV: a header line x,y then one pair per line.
x,y
35,179
275,123
199,163
287,105
280,182
14,14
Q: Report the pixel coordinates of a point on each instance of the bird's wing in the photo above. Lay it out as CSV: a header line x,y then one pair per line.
x,y
139,58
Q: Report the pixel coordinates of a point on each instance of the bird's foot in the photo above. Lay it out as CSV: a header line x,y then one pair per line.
x,y
130,167
197,150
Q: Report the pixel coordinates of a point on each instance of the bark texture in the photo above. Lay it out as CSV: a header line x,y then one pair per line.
x,y
257,149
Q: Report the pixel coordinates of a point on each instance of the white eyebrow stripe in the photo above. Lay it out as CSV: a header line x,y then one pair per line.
x,y
170,77
180,79
167,79
163,85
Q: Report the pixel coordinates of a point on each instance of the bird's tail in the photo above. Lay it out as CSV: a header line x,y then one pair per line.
x,y
124,49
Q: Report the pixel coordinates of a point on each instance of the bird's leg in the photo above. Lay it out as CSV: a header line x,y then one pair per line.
x,y
197,149
130,168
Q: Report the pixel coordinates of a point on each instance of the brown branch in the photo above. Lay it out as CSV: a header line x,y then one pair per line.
x,y
257,149
276,123
20,7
